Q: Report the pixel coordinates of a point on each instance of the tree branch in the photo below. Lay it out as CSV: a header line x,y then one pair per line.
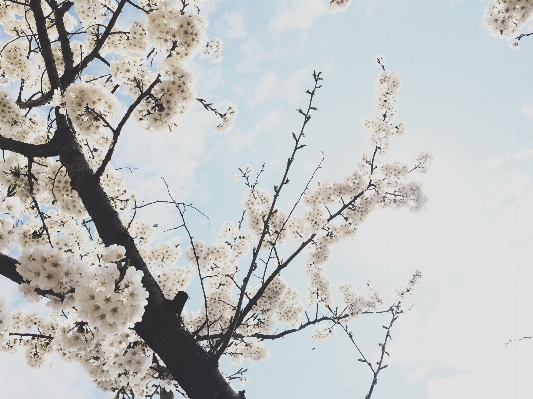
x,y
44,43
116,131
59,13
8,269
278,335
29,150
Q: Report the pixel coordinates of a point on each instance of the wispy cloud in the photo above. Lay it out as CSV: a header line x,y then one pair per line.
x,y
272,87
524,154
465,334
457,348
255,53
495,163
174,155
232,26
241,139
527,109
368,7
296,14
60,380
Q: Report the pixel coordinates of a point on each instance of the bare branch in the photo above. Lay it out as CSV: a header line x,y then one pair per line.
x,y
31,177
239,316
281,334
118,129
518,339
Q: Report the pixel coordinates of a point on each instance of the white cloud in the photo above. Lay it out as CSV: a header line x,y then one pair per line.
x,y
368,7
476,290
174,156
232,26
272,87
239,139
495,163
527,109
254,53
511,195
297,14
60,380
525,153
395,7
464,335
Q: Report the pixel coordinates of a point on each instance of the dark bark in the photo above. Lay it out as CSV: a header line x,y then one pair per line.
x,y
59,12
44,43
28,150
8,269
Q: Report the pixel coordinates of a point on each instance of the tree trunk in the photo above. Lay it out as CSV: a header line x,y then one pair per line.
x,y
162,331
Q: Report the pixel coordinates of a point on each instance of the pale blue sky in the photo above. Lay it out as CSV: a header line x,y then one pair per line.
x,y
465,96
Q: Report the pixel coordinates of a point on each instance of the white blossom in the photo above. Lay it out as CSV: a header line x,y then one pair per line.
x,y
505,18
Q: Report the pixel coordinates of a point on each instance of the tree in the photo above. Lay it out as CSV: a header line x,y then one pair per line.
x,y
117,300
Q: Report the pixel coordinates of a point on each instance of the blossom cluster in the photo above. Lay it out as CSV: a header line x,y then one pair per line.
x,y
99,304
90,106
48,269
251,349
228,120
13,61
339,5
131,42
8,234
279,302
170,98
322,332
109,306
214,49
14,125
181,34
358,303
403,292
257,204
505,18
104,297
92,12
114,361
127,70
5,321
387,86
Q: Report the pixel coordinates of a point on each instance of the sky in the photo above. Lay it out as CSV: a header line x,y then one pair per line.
x,y
465,96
